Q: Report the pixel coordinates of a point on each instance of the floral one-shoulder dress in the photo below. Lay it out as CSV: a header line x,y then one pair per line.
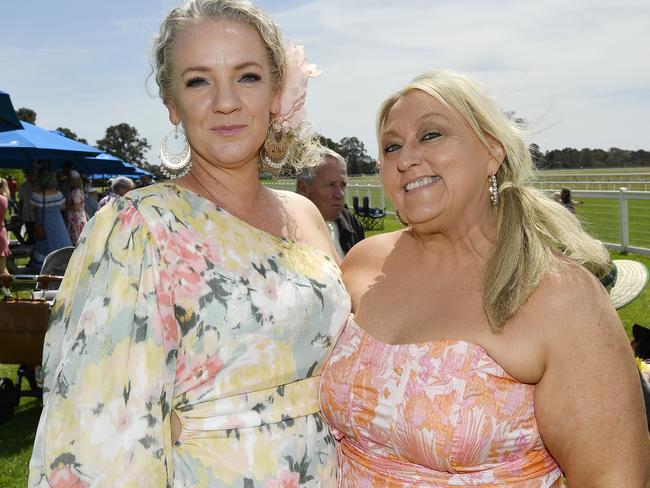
x,y
173,304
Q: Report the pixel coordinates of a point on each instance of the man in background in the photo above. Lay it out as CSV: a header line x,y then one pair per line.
x,y
325,186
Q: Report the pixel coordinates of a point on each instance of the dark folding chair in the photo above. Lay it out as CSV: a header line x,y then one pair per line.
x,y
370,218
355,204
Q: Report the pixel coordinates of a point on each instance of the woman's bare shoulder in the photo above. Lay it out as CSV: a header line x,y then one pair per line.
x,y
571,302
304,222
371,252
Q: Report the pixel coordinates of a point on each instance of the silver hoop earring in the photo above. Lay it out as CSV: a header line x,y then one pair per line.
x,y
175,163
494,191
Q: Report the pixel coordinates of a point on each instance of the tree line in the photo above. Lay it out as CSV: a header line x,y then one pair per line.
x,y
571,158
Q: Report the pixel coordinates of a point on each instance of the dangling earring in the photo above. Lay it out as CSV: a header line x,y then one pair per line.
x,y
175,164
277,147
494,191
399,217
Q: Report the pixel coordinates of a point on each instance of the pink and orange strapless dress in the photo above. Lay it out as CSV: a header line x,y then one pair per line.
x,y
433,414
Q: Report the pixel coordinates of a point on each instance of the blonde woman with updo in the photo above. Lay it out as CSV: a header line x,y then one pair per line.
x,y
186,342
483,351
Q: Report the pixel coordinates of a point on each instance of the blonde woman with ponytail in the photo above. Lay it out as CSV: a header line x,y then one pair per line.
x,y
483,349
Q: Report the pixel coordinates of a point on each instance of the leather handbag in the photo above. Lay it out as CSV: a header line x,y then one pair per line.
x,y
23,323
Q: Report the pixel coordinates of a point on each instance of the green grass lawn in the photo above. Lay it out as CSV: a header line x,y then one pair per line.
x,y
17,438
601,217
17,435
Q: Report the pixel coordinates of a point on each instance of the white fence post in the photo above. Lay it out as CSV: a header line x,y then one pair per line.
x,y
625,231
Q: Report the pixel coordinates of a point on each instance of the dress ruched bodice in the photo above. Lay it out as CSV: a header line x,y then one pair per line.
x,y
434,414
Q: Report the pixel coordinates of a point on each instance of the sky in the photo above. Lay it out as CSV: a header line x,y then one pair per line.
x,y
578,71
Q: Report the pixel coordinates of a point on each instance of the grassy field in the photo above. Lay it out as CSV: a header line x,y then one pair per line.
x,y
601,218
17,438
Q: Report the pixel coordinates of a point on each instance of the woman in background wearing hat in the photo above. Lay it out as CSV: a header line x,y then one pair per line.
x,y
483,349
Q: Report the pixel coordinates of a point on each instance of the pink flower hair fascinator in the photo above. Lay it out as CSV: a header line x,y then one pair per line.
x,y
289,140
294,89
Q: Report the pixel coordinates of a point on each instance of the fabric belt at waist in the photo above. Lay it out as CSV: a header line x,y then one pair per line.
x,y
253,409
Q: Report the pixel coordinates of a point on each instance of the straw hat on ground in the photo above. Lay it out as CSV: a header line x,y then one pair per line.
x,y
630,279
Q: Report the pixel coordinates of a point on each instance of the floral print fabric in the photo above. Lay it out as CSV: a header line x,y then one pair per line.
x,y
434,414
75,214
171,303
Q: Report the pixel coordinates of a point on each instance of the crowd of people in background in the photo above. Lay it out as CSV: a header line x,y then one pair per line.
x,y
53,208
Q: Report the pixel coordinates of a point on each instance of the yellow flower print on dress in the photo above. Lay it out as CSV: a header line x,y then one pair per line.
x,y
172,304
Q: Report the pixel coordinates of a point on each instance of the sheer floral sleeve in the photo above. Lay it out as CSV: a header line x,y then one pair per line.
x,y
109,362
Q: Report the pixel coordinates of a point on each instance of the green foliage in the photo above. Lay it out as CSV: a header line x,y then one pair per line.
x,y
327,142
354,152
71,135
153,169
593,158
17,174
26,114
122,140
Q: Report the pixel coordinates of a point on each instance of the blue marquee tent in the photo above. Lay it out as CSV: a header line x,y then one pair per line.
x,y
21,147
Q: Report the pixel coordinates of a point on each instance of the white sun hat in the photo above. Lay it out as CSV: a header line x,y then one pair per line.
x,y
631,280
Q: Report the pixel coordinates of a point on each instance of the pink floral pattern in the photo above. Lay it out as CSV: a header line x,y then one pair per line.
x,y
434,414
75,214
